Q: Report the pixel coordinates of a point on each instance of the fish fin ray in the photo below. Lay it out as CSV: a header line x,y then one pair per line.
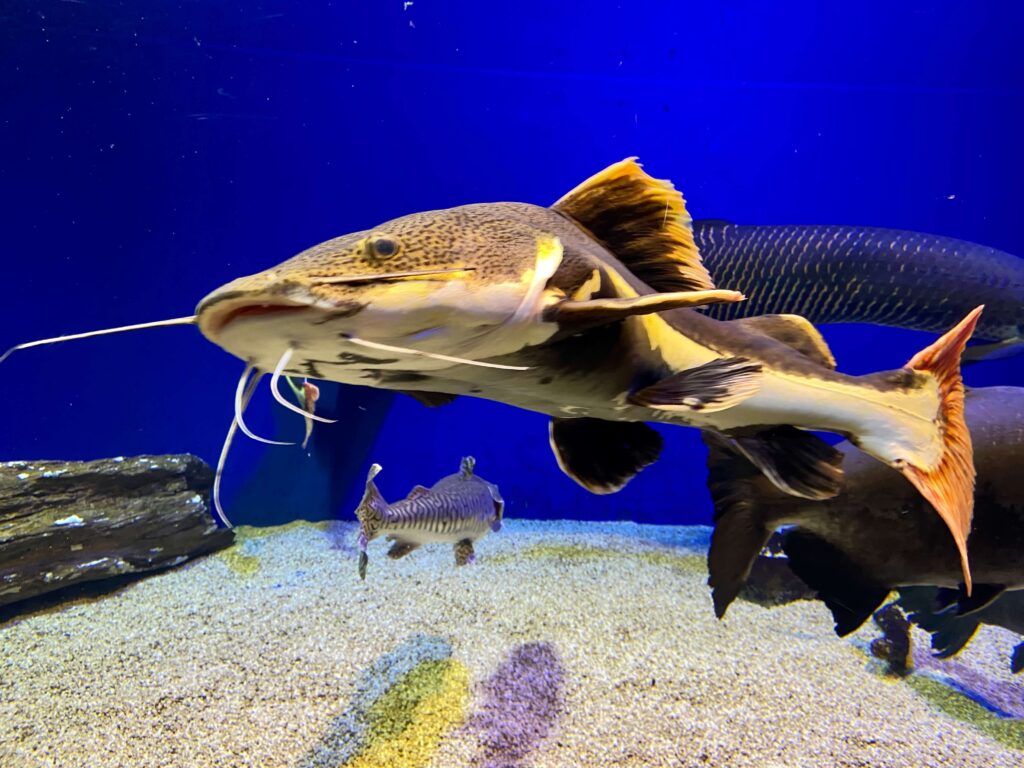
x,y
599,311
949,486
603,456
740,532
644,222
796,462
794,331
708,388
846,590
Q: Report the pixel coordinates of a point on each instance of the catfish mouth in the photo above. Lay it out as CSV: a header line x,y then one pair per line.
x,y
213,319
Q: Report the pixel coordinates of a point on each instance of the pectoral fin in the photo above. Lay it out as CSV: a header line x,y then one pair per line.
x,y
797,462
711,387
603,456
599,311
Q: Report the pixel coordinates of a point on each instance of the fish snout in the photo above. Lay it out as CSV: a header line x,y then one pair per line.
x,y
264,296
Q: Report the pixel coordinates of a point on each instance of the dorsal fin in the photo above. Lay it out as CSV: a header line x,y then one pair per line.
x,y
793,331
644,222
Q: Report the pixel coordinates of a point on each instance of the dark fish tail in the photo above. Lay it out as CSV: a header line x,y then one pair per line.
x,y
842,274
371,514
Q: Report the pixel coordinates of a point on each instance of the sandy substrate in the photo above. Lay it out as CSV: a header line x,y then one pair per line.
x,y
565,644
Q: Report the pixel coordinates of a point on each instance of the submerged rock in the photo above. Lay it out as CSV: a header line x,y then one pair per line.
x,y
71,522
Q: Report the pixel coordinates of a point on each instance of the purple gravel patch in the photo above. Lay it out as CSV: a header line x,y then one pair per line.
x,y
521,703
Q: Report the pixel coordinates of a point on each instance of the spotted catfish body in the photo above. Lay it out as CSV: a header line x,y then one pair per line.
x,y
458,509
847,274
582,311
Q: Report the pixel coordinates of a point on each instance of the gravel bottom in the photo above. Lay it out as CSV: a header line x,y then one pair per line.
x,y
565,644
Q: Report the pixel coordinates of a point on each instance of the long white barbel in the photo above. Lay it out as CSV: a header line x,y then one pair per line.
x,y
191,320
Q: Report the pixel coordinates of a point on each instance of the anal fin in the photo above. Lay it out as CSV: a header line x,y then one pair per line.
x,y
603,456
797,462
711,387
849,593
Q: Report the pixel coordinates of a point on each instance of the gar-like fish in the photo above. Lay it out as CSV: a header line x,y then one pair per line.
x,y
878,534
458,509
580,311
845,274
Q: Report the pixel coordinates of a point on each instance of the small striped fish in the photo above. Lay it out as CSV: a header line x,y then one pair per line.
x,y
842,274
458,509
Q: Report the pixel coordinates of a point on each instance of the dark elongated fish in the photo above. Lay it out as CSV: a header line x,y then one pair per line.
x,y
951,630
877,534
457,509
580,311
842,274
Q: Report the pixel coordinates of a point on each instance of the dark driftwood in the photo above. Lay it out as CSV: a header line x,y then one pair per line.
x,y
70,522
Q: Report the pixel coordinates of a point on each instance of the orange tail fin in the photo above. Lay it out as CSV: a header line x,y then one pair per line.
x,y
949,485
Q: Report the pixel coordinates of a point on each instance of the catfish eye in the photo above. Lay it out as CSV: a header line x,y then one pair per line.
x,y
380,248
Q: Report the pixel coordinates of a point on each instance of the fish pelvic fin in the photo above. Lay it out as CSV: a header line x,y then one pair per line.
x,y
949,484
644,222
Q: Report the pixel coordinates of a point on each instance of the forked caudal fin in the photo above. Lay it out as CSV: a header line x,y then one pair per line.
x,y
949,484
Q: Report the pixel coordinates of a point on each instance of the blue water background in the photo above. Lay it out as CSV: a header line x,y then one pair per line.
x,y
152,151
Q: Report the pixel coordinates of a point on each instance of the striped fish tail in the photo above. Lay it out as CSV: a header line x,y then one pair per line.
x,y
370,513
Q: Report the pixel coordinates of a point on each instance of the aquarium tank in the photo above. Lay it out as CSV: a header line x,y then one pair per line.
x,y
416,383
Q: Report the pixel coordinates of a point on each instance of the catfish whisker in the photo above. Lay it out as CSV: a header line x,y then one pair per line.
x,y
71,337
276,392
244,401
434,355
240,407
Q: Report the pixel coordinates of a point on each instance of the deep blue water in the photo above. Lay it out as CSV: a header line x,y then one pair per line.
x,y
153,151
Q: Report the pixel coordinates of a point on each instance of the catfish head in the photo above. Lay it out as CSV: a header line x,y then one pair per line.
x,y
475,282
468,282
